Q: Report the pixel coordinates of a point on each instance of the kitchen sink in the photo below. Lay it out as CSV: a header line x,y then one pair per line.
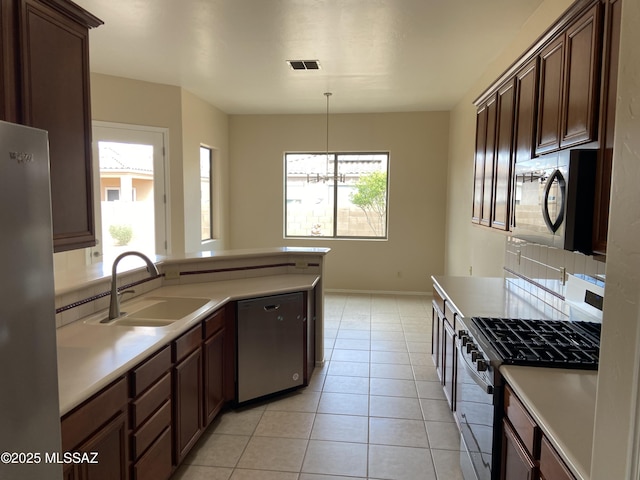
x,y
155,312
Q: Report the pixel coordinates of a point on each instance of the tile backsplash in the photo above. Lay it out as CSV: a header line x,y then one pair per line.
x,y
540,271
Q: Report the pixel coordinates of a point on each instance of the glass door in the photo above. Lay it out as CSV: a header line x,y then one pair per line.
x,y
129,190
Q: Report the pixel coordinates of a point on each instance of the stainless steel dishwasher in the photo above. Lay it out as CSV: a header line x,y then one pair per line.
x,y
270,345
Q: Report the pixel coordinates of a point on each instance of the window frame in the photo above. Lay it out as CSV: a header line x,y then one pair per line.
x,y
335,179
211,236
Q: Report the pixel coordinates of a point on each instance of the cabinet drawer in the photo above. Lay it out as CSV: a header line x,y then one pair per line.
x,y
155,464
449,315
214,323
522,422
151,429
551,465
187,343
149,402
148,372
94,413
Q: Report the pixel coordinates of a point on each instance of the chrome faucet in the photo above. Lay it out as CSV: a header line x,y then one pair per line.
x,y
114,305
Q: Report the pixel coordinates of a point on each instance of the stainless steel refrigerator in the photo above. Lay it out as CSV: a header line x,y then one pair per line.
x,y
29,405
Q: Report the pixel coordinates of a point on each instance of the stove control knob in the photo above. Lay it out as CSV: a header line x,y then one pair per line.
x,y
470,347
482,365
464,337
476,356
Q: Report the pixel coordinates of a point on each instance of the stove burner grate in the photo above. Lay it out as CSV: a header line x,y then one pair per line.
x,y
548,343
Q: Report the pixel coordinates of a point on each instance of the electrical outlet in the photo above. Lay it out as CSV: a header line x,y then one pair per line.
x,y
301,264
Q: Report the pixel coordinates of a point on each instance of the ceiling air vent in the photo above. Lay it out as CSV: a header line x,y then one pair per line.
x,y
304,64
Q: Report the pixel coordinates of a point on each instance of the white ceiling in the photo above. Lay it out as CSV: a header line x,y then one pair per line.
x,y
376,55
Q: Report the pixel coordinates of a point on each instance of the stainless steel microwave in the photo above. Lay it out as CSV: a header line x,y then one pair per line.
x,y
553,200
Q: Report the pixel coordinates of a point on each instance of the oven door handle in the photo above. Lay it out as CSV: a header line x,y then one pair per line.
x,y
473,373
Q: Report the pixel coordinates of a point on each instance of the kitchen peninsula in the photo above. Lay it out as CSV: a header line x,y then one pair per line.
x,y
142,391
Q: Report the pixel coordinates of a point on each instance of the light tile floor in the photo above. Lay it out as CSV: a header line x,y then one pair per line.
x,y
375,410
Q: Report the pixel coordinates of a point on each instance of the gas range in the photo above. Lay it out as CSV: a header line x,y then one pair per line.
x,y
542,343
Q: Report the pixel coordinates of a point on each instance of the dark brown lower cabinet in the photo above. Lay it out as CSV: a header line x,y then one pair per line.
x,y
187,392
99,425
516,462
155,464
449,356
214,365
144,424
526,453
551,465
151,418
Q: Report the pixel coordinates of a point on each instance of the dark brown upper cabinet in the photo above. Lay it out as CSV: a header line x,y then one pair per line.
x,y
526,90
569,85
502,174
45,84
559,94
484,162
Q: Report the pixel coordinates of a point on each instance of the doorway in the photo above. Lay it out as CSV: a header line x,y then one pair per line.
x,y
129,169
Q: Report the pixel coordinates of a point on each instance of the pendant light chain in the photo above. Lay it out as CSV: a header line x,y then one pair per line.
x,y
328,94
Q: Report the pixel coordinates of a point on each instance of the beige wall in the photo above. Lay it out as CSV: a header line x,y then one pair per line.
x,y
417,143
469,246
191,122
204,125
122,100
616,449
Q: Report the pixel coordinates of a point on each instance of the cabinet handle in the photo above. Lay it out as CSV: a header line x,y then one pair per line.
x,y
271,308
554,224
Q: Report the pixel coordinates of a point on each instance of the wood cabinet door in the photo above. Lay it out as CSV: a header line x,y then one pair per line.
x,y
550,96
449,356
489,163
613,16
484,162
581,81
54,93
516,463
213,375
437,319
526,91
551,465
188,403
478,167
502,183
110,443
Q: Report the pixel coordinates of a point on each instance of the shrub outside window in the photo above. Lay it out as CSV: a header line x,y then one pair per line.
x,y
339,195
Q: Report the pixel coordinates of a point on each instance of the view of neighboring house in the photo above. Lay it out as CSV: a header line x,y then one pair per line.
x,y
126,196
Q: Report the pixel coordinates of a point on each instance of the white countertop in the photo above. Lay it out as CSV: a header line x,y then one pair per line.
x,y
561,401
491,297
91,356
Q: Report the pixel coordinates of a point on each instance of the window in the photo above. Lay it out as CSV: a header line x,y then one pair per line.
x,y
129,165
206,215
339,195
112,194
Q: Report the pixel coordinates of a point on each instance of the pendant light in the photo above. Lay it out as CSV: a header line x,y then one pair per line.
x,y
328,94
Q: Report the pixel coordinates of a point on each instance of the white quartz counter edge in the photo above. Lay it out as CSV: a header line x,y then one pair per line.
x,y
562,402
91,356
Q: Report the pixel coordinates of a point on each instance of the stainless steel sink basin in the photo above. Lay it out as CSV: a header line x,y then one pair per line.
x,y
155,312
